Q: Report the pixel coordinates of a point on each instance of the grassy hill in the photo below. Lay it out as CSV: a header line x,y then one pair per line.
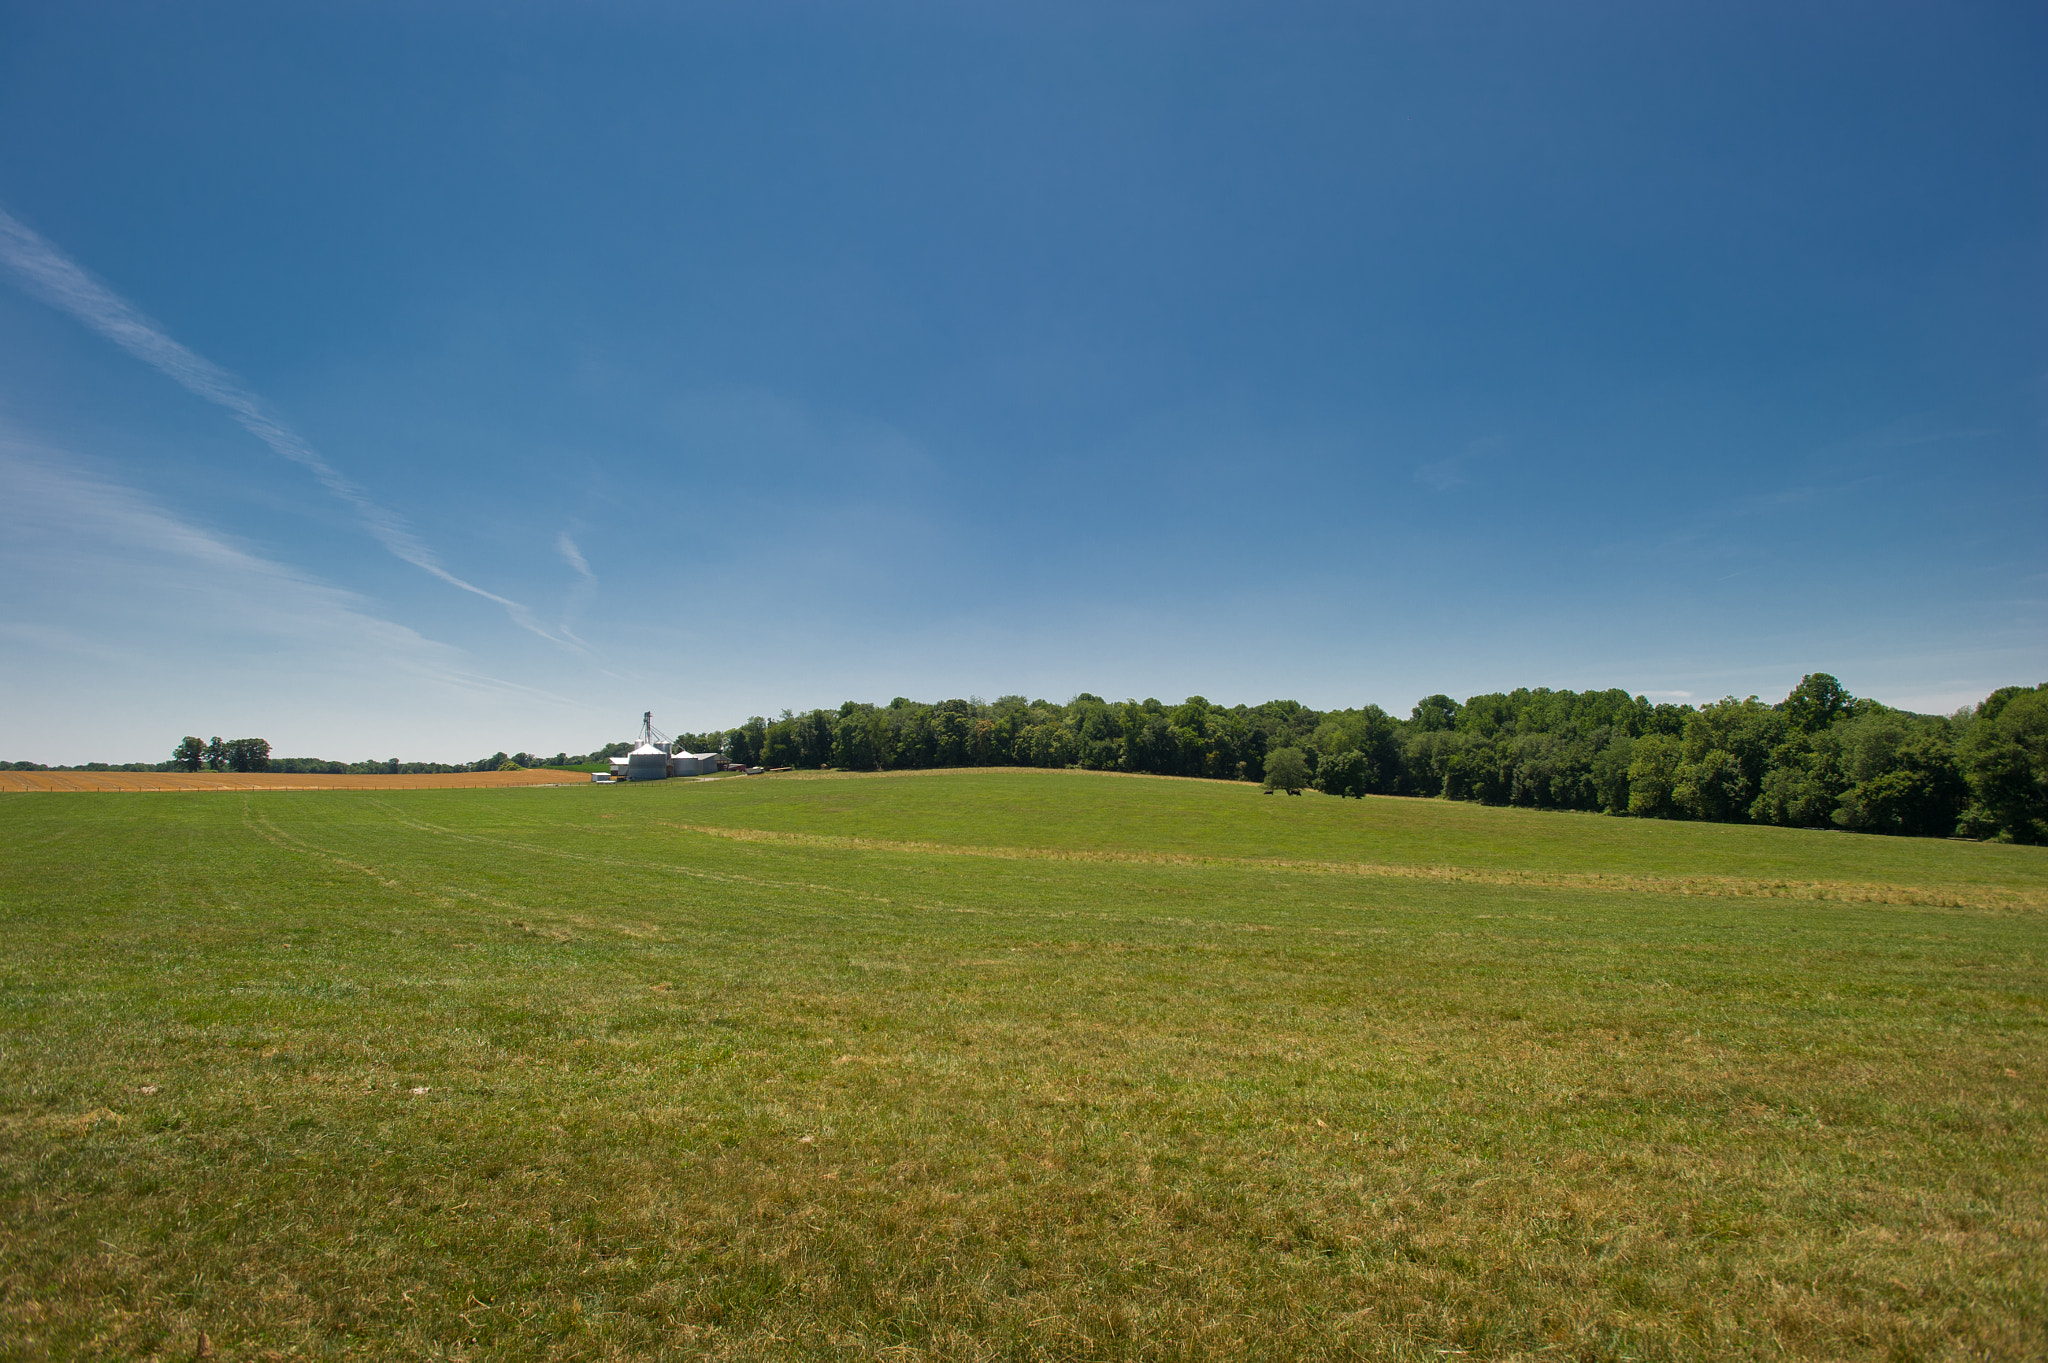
x,y
1087,811
1009,1064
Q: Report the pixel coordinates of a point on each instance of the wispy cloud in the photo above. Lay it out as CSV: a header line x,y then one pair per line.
x,y
585,585
1454,470
573,556
55,278
101,569
1442,474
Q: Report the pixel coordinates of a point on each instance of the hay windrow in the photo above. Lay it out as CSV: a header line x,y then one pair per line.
x,y
1719,887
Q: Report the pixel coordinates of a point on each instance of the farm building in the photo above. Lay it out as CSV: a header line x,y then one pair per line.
x,y
648,762
657,757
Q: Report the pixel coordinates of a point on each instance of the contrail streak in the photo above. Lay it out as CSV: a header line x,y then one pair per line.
x,y
573,556
52,276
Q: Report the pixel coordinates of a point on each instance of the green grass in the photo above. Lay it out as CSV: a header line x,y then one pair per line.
x,y
1087,811
1008,1065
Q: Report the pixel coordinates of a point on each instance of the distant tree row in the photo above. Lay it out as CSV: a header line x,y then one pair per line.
x,y
497,761
253,754
1820,758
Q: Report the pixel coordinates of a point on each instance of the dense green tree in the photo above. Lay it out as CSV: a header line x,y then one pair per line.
x,y
1726,749
1286,769
190,754
743,745
1484,716
1371,733
1429,758
245,754
1432,713
854,736
1653,776
951,727
1816,703
2005,756
779,742
1099,733
1485,770
1712,786
1668,720
1900,774
1344,773
1609,770
1799,792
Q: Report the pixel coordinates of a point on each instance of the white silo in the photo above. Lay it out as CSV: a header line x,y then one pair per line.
x,y
647,763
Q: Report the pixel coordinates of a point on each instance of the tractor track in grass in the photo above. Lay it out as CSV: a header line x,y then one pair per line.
x,y
443,895
621,863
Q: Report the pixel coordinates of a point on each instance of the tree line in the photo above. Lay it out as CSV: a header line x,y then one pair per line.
x,y
253,754
497,761
1820,758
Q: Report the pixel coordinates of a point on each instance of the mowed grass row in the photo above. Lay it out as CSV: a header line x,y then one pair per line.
x,y
547,1073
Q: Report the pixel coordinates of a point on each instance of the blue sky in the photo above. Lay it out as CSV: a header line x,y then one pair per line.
x,y
429,380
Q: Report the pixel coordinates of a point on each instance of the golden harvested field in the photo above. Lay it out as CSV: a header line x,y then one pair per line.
x,y
20,781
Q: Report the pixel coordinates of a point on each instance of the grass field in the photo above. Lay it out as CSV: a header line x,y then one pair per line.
x,y
1011,1064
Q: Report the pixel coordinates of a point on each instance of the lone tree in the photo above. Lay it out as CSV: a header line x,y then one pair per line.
x,y
1286,769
